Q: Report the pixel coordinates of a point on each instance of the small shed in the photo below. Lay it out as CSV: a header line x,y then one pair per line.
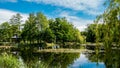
x,y
15,38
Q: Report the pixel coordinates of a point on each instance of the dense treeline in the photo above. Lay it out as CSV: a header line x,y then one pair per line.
x,y
37,28
8,29
90,32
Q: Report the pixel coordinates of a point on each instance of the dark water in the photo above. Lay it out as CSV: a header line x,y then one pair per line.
x,y
108,59
64,60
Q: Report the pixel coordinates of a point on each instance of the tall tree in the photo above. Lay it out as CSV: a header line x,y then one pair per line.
x,y
111,21
30,29
48,36
15,22
5,31
42,21
90,33
64,31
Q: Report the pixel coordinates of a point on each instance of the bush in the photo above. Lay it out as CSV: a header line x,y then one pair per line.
x,y
1,43
9,61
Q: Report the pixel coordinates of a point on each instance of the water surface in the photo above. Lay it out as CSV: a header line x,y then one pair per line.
x,y
84,62
64,60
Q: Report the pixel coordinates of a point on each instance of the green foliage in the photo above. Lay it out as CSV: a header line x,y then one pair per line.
x,y
48,36
15,23
58,60
42,21
38,29
79,38
111,25
9,61
34,27
8,29
30,30
94,32
90,33
64,31
58,30
5,32
16,19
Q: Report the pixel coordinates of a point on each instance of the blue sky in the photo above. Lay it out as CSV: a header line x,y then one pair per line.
x,y
79,12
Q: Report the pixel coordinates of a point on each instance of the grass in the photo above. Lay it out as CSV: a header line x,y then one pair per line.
x,y
62,50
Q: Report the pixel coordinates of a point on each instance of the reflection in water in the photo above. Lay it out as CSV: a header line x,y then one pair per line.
x,y
84,62
112,58
52,60
64,60
109,59
59,59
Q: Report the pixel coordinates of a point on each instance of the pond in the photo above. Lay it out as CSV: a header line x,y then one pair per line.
x,y
64,60
108,59
84,62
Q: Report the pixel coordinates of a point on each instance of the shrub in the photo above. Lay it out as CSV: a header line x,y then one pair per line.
x,y
9,61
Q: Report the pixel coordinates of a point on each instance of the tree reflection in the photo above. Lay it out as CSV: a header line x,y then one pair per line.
x,y
93,57
110,57
59,59
51,60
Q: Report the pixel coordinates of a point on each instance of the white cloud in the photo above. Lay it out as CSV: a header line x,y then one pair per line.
x,y
93,12
5,15
8,1
78,22
80,5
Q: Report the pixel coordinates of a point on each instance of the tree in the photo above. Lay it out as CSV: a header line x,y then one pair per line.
x,y
42,21
64,31
111,19
48,36
30,29
78,37
90,33
5,32
42,24
15,23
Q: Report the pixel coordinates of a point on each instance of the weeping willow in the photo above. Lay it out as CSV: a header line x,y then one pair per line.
x,y
110,29
110,33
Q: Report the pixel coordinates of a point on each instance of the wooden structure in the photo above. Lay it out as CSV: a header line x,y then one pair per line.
x,y
15,38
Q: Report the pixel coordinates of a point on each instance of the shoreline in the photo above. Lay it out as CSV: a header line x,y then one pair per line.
x,y
66,50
